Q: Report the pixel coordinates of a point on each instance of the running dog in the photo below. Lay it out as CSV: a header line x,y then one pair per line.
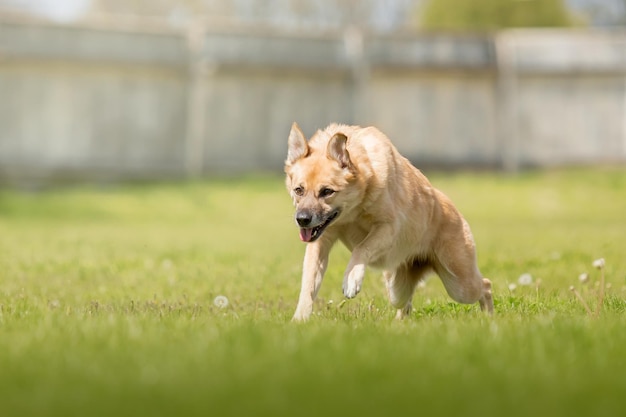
x,y
351,184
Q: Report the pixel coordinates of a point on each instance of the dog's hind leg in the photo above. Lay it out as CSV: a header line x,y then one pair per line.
x,y
401,285
456,265
467,287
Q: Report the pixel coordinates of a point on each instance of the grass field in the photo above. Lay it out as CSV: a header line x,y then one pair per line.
x,y
107,306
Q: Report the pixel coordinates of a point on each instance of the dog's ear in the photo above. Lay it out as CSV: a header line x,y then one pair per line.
x,y
297,146
337,150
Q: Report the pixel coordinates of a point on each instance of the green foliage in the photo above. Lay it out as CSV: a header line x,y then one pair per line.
x,y
106,306
494,14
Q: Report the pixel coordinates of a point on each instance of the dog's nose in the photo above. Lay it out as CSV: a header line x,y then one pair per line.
x,y
303,218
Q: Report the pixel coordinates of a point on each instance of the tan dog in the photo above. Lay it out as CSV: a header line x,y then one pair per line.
x,y
351,184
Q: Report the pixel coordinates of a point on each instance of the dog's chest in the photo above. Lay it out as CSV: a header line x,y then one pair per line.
x,y
405,245
352,235
387,256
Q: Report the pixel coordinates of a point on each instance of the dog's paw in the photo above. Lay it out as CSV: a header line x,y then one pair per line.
x,y
351,289
404,312
301,315
352,282
299,318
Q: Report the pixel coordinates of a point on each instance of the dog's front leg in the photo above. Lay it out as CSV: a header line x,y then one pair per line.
x,y
315,263
372,249
353,278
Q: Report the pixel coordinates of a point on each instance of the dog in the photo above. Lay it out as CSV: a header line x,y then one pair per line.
x,y
351,184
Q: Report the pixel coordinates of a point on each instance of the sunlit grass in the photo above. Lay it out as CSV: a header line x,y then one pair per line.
x,y
107,306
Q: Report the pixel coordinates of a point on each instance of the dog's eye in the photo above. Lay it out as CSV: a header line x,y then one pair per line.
x,y
299,191
326,192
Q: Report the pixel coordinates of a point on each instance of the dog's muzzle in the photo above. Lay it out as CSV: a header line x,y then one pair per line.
x,y
310,233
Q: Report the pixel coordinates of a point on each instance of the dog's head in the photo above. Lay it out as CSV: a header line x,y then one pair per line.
x,y
320,180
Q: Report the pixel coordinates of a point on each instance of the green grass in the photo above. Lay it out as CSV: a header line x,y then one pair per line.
x,y
106,306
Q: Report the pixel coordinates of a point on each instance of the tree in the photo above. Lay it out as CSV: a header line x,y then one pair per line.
x,y
494,14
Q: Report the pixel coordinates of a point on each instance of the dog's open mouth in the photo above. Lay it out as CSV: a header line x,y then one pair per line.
x,y
310,234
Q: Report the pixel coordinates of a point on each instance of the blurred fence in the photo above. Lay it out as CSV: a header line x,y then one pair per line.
x,y
90,103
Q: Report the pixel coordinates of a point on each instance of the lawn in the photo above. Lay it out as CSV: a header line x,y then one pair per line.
x,y
108,306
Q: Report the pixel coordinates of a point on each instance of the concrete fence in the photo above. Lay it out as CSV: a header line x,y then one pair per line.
x,y
93,103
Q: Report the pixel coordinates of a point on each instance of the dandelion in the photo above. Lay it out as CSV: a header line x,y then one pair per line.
x,y
583,278
525,279
581,299
220,301
167,264
512,287
601,287
599,263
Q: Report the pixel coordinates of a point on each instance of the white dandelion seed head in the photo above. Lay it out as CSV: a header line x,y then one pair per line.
x,y
220,301
512,286
167,264
583,278
598,263
525,279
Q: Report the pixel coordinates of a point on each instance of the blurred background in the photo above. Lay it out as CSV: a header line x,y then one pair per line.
x,y
102,90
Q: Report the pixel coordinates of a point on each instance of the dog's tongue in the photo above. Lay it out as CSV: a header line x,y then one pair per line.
x,y
306,234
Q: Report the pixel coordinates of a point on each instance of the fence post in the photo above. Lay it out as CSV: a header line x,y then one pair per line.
x,y
354,47
624,121
507,101
196,103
